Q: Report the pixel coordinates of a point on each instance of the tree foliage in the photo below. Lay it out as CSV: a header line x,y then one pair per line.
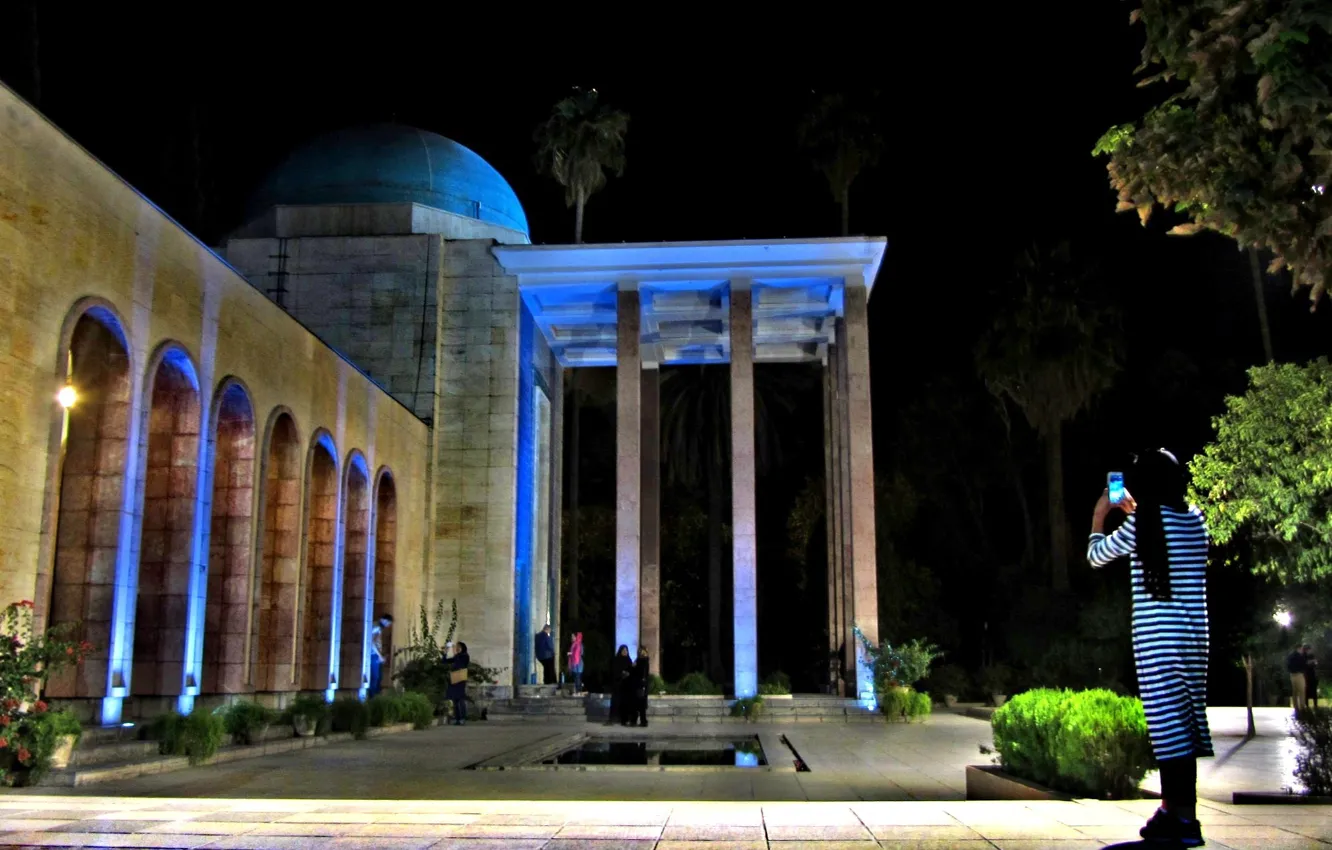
x,y
1053,349
1243,145
1268,473
841,134
581,140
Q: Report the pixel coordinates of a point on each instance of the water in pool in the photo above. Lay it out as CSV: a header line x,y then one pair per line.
x,y
666,752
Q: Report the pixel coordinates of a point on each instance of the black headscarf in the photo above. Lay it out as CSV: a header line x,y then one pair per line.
x,y
1156,480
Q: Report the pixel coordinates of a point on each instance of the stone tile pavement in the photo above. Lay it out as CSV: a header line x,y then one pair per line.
x,y
287,824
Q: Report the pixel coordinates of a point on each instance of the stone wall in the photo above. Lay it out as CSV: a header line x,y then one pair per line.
x,y
76,241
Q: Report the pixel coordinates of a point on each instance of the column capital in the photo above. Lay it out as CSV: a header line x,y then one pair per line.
x,y
740,284
854,280
626,285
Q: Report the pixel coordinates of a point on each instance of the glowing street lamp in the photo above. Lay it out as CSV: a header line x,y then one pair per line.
x,y
1283,618
67,396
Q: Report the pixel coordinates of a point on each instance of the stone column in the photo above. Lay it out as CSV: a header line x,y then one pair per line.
x,y
832,503
860,449
743,522
651,514
847,640
556,503
628,465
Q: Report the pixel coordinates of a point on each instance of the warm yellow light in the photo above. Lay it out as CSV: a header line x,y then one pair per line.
x,y
67,396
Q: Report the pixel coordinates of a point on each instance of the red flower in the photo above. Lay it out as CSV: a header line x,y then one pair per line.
x,y
11,703
40,706
24,755
5,720
4,742
69,650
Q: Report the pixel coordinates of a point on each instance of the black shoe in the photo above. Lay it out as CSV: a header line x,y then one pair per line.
x,y
1167,828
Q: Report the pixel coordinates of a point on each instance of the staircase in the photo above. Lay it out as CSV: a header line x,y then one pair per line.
x,y
595,708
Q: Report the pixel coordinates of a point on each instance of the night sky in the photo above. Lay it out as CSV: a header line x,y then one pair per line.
x,y
991,121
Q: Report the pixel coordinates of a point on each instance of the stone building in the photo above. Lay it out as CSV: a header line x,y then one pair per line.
x,y
355,405
225,499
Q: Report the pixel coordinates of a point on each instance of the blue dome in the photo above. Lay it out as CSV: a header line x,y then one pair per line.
x,y
391,163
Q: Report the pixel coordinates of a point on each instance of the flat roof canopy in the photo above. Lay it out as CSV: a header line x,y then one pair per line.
x,y
685,295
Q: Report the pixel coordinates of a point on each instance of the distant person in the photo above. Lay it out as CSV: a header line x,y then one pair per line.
x,y
621,666
1166,540
576,662
545,653
638,690
377,658
1310,678
457,692
1296,665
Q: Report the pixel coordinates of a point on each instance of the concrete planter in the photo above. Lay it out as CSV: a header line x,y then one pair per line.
x,y
767,697
998,700
950,701
989,782
1274,798
64,751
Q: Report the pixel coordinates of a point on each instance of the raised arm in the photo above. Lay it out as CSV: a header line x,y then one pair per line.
x,y
1104,548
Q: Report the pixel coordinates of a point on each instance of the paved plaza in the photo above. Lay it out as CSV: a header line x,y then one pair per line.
x,y
899,786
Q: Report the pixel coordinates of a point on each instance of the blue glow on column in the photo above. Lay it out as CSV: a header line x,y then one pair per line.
x,y
523,649
191,674
743,759
865,678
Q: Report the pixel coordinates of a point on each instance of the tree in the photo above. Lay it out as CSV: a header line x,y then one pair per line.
x,y
1268,473
841,134
696,447
580,141
1050,353
1243,145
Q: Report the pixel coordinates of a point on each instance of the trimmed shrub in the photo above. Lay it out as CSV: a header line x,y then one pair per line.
x,y
196,736
1088,743
416,709
349,714
995,679
749,708
656,684
1313,762
777,683
905,704
695,684
246,722
315,709
429,676
384,709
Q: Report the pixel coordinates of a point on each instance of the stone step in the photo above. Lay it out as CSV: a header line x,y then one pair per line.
x,y
112,751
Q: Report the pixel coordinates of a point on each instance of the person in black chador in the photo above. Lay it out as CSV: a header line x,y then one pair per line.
x,y
638,695
621,666
458,665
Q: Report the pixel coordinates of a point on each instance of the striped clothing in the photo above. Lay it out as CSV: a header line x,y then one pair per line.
x,y
1169,636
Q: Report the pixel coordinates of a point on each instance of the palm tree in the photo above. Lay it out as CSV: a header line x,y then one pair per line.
x,y
841,134
1050,353
696,449
578,143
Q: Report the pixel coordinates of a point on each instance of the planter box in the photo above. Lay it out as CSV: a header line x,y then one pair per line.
x,y
989,782
767,697
1277,798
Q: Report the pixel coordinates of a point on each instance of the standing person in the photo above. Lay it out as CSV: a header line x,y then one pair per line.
x,y
1167,542
620,667
545,653
458,682
377,657
638,690
576,661
1296,665
1310,678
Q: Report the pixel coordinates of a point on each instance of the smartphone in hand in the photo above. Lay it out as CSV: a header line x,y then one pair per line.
x,y
1115,484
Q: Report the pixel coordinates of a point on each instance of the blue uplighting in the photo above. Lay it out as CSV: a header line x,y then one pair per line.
x,y
525,506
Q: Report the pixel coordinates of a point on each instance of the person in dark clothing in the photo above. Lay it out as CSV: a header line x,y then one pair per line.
x,y
638,695
1310,677
458,665
1296,666
621,665
545,653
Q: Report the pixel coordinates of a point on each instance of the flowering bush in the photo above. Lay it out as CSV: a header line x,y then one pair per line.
x,y
26,662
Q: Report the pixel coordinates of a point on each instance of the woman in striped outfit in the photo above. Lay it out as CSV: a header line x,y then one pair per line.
x,y
1167,542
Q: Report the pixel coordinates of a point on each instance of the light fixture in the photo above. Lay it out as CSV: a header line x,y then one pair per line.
x,y
1283,618
67,396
